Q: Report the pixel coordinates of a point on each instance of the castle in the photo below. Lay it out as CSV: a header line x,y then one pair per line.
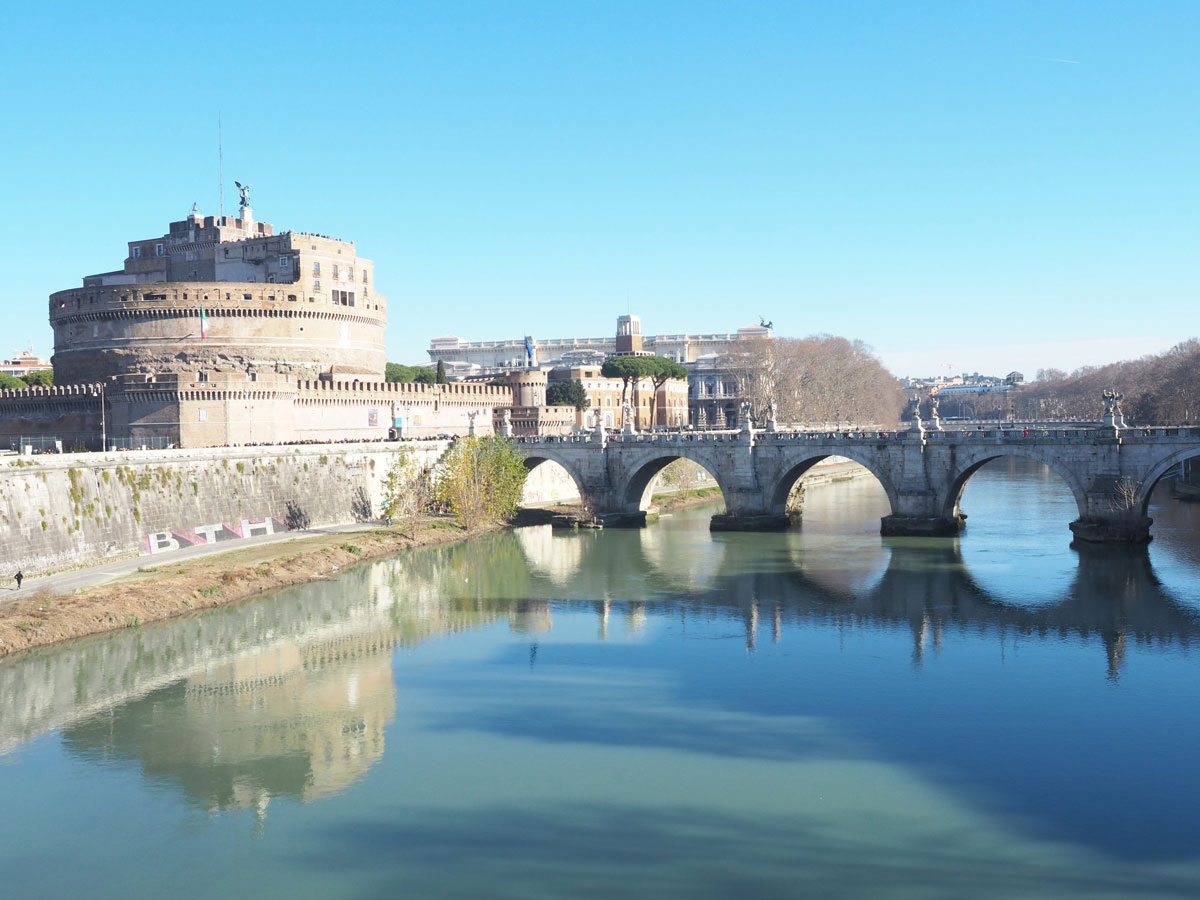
x,y
223,332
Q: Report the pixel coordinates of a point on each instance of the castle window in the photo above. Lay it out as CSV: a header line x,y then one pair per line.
x,y
283,262
158,249
202,376
316,268
335,273
137,252
202,413
350,273
365,276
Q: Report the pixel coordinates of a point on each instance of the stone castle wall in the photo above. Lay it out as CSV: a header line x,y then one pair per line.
x,y
70,414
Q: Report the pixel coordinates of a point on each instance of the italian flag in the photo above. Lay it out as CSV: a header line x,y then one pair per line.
x,y
203,323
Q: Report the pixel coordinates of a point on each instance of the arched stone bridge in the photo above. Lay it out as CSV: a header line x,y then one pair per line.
x,y
1109,470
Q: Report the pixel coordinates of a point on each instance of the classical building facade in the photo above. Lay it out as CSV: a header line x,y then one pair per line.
x,y
709,399
481,357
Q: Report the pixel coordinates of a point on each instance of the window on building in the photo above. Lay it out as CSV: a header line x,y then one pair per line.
x,y
365,279
316,269
253,376
283,262
350,273
158,249
202,376
316,285
335,273
203,413
137,252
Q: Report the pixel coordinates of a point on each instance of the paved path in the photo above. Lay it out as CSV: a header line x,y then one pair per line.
x,y
76,579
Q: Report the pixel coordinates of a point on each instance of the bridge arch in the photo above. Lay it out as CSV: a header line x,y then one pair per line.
x,y
1157,471
971,461
793,472
632,493
533,461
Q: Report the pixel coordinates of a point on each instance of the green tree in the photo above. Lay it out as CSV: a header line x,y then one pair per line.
x,y
441,373
567,393
481,478
41,378
660,371
402,374
406,489
634,368
627,368
9,383
398,373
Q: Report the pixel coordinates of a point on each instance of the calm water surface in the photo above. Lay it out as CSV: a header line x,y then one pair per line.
x,y
642,713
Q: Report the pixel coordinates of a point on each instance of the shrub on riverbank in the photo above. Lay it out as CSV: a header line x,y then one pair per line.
x,y
481,479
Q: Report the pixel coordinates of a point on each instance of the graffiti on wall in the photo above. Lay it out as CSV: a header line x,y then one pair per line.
x,y
165,541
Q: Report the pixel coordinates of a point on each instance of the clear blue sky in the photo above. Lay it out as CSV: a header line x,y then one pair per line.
x,y
962,184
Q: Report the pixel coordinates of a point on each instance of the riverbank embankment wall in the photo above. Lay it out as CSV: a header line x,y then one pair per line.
x,y
60,511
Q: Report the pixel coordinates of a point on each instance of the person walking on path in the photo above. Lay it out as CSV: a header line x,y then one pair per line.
x,y
19,578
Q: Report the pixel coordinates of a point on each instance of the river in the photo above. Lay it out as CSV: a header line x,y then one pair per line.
x,y
662,712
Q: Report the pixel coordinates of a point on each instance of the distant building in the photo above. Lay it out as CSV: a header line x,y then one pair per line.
x,y
666,407
24,363
713,397
496,357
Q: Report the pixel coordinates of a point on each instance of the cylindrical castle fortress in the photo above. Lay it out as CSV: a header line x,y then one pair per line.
x,y
219,294
112,330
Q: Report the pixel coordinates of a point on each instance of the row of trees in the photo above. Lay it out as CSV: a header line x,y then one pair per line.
x,y
480,480
398,372
1161,389
631,369
41,378
817,380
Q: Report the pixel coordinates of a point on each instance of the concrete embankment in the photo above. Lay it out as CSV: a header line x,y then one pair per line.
x,y
58,512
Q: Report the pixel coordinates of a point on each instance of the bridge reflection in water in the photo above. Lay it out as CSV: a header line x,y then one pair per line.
x,y
292,695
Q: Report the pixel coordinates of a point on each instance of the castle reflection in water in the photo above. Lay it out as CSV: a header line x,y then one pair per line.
x,y
292,695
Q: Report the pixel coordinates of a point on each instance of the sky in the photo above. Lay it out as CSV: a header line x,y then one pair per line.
x,y
981,186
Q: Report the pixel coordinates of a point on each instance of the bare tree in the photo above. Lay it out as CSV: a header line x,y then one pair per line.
x,y
819,380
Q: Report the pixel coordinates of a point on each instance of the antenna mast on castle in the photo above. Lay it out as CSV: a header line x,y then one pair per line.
x,y
220,171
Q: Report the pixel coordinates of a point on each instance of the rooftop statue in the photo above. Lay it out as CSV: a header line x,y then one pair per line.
x,y
243,194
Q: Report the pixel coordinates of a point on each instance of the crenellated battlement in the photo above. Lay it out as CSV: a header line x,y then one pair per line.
x,y
39,393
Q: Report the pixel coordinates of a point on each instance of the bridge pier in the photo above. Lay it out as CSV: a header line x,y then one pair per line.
x,y
1123,531
921,526
748,522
